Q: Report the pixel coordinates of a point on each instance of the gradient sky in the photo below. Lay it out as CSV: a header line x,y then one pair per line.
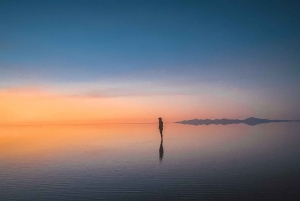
x,y
132,61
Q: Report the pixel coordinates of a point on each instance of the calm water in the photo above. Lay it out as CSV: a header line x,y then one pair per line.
x,y
129,162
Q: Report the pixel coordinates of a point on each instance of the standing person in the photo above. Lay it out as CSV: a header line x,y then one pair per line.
x,y
160,126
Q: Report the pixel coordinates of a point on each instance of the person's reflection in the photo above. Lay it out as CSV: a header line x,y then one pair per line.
x,y
161,150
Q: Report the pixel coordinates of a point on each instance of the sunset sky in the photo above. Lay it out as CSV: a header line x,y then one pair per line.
x,y
133,61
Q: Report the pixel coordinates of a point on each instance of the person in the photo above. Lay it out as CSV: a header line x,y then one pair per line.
x,y
160,126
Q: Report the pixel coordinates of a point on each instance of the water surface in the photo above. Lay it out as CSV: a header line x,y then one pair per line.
x,y
129,161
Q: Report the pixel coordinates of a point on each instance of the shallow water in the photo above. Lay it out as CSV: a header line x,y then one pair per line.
x,y
129,162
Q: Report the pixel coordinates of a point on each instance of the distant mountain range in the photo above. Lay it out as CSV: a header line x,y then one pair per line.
x,y
252,121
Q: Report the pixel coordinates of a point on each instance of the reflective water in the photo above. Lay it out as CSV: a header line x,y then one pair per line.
x,y
130,162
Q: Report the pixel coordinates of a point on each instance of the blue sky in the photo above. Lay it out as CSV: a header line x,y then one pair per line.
x,y
155,47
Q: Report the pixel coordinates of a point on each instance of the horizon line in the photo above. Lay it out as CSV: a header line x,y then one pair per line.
x,y
69,124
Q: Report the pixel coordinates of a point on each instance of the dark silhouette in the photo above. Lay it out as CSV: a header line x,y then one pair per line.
x,y
160,126
252,121
161,150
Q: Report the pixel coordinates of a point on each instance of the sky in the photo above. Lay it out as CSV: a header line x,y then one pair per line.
x,y
133,61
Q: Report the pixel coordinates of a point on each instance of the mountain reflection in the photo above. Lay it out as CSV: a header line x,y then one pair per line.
x,y
252,121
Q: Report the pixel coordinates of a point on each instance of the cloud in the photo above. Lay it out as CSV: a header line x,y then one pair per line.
x,y
116,89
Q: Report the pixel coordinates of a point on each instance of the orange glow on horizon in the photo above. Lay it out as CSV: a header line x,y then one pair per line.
x,y
32,106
